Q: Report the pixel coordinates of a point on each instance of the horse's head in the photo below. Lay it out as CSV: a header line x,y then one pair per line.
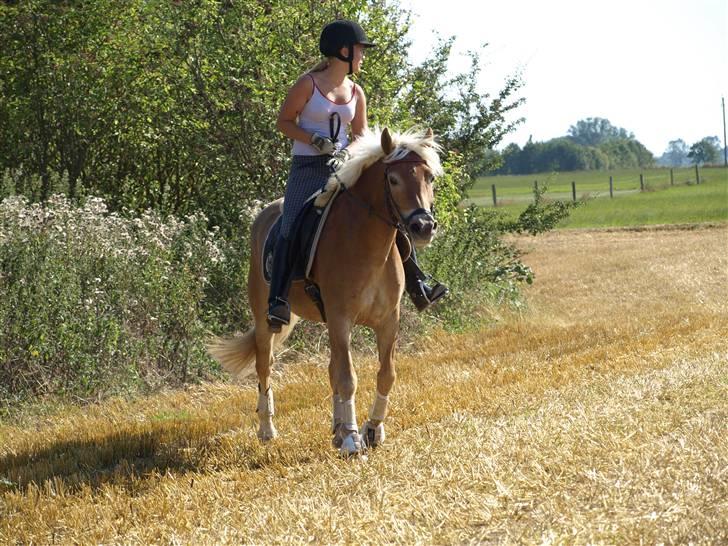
x,y
410,169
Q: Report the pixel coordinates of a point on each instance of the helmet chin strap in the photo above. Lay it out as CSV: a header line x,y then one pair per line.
x,y
348,59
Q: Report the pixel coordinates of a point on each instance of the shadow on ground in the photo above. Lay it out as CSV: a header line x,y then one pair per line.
x,y
129,458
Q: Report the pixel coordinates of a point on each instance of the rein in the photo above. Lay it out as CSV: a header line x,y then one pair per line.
x,y
396,218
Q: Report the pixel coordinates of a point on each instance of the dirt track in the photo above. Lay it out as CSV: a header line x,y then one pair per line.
x,y
596,415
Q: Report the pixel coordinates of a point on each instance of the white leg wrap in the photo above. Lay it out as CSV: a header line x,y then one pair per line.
x,y
379,409
346,435
265,403
348,415
265,408
351,443
337,414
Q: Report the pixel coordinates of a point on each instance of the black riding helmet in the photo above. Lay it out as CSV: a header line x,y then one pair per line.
x,y
342,33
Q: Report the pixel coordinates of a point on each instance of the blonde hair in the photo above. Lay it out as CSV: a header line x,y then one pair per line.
x,y
320,66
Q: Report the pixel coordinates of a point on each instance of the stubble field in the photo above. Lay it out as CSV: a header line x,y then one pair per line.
x,y
596,415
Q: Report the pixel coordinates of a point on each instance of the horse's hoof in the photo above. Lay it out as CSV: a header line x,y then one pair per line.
x,y
267,435
373,436
352,445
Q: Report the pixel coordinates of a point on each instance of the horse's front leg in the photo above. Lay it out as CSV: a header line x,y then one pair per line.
x,y
343,385
372,431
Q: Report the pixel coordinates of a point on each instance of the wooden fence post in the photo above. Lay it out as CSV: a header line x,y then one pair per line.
x,y
672,178
642,182
495,202
573,190
697,174
611,187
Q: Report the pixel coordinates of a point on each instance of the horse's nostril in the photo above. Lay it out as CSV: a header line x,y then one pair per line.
x,y
434,225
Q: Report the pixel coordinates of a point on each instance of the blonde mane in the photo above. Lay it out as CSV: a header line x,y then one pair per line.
x,y
367,150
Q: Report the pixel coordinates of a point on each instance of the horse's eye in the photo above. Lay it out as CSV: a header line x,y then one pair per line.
x,y
392,180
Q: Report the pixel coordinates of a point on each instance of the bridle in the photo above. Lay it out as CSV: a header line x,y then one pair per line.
x,y
391,205
396,219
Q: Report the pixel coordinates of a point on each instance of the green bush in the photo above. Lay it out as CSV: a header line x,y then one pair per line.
x,y
92,301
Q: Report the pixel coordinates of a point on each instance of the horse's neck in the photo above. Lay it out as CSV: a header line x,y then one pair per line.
x,y
370,188
375,222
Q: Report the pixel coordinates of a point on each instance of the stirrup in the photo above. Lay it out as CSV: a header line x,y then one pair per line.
x,y
423,296
279,315
437,292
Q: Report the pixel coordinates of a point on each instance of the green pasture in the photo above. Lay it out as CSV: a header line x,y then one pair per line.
x,y
661,202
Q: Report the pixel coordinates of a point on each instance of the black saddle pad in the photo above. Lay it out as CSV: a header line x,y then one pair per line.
x,y
303,233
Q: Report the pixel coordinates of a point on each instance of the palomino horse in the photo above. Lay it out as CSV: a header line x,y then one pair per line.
x,y
359,271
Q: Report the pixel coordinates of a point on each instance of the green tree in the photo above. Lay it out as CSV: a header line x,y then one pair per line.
x,y
626,152
595,131
706,150
467,121
172,105
676,154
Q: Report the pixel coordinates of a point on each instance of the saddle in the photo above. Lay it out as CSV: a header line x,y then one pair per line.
x,y
306,232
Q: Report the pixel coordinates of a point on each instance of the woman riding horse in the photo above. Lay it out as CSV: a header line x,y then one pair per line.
x,y
315,114
360,273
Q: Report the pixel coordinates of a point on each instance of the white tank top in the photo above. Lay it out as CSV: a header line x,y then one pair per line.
x,y
315,116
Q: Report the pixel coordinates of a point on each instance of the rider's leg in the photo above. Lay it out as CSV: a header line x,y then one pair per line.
x,y
279,311
421,294
308,174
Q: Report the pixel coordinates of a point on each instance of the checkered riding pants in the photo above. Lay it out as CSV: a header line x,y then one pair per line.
x,y
309,174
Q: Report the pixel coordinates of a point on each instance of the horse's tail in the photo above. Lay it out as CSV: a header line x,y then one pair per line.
x,y
237,354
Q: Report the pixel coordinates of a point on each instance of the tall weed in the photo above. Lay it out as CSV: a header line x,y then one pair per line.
x,y
92,302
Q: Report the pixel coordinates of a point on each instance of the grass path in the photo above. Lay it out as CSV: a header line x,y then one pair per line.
x,y
598,415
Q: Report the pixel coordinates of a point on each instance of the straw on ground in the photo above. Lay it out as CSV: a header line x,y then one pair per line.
x,y
596,415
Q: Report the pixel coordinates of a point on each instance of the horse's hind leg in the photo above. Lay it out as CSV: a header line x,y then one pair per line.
x,y
265,342
372,431
263,362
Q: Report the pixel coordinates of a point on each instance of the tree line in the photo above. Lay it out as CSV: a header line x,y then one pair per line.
x,y
172,105
596,144
591,144
156,119
705,151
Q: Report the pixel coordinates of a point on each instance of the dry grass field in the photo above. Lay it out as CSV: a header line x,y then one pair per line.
x,y
599,414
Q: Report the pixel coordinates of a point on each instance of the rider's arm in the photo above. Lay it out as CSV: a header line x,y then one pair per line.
x,y
297,98
359,123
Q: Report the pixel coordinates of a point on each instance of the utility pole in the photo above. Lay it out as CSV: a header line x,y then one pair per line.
x,y
725,146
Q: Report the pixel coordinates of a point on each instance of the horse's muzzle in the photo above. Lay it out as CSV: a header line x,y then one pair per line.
x,y
423,226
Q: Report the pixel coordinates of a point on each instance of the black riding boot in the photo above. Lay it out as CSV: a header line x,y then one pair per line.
x,y
279,311
419,292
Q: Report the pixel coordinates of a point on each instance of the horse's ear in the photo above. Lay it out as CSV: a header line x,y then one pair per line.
x,y
387,144
429,137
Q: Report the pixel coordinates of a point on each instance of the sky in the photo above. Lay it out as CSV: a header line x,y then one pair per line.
x,y
655,68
